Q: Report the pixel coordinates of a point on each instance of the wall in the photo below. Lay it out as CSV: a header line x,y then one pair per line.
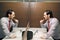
x,y
30,11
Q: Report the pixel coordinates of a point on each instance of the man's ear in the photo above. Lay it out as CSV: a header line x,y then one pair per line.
x,y
49,15
8,15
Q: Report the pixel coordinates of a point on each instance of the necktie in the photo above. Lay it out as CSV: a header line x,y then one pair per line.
x,y
48,25
9,26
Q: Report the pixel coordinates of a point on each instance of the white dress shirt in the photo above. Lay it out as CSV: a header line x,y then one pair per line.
x,y
54,30
4,22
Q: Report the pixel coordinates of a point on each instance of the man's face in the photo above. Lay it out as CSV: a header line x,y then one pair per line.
x,y
46,16
12,15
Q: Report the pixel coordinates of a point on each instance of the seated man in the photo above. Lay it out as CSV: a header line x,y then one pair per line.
x,y
52,24
6,23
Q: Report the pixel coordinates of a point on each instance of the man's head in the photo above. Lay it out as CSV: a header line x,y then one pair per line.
x,y
48,14
10,14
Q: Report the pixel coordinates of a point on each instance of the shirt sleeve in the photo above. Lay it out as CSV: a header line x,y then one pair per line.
x,y
44,25
14,24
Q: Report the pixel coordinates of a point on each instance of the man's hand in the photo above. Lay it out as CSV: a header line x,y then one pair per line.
x,y
41,21
43,36
15,20
12,36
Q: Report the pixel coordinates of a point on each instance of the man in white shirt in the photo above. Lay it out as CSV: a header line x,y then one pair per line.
x,y
52,24
6,23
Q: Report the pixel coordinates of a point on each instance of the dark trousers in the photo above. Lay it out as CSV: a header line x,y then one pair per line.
x,y
56,39
1,38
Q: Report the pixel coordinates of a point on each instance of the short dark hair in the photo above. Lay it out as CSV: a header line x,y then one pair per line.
x,y
9,11
49,12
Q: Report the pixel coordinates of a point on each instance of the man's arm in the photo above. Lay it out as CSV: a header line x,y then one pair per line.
x,y
43,25
15,23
